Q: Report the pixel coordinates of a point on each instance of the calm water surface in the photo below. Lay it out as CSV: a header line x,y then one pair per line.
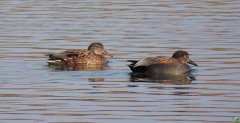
x,y
31,91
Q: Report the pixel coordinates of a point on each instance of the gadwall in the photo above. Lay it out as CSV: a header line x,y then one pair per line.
x,y
94,55
177,64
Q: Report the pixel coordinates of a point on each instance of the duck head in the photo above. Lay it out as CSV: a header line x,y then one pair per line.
x,y
98,49
183,57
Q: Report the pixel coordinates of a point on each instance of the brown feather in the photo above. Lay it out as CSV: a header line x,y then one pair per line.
x,y
155,60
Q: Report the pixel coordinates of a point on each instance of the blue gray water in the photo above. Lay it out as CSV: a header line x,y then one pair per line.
x,y
33,92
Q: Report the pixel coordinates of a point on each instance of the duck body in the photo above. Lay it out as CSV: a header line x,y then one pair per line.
x,y
94,55
76,57
177,64
169,69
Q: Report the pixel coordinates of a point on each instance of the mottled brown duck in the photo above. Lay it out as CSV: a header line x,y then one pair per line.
x,y
94,55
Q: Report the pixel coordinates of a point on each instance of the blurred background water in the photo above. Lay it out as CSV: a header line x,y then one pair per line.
x,y
31,91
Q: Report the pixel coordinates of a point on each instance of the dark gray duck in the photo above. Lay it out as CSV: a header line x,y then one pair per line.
x,y
177,64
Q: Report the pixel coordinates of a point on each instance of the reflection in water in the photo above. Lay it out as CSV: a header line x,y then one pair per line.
x,y
78,67
162,78
95,79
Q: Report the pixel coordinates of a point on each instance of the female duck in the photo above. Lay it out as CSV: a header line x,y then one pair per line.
x,y
177,64
94,55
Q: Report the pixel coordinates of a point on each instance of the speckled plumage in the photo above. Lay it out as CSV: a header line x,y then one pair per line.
x,y
93,56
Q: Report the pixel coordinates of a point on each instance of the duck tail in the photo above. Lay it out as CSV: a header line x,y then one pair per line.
x,y
51,56
133,62
136,69
55,59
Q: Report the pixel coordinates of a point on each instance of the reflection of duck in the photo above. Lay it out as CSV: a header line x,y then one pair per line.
x,y
95,79
78,67
175,65
94,55
162,78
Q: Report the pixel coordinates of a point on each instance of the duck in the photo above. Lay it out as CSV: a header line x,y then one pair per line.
x,y
94,55
175,65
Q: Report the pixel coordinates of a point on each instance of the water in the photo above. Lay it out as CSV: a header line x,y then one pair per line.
x,y
31,91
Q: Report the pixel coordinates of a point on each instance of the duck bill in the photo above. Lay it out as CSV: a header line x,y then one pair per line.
x,y
107,54
192,63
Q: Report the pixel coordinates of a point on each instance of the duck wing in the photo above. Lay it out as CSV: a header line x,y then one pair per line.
x,y
154,60
64,55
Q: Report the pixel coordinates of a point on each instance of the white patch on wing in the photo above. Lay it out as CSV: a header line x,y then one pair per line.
x,y
53,61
